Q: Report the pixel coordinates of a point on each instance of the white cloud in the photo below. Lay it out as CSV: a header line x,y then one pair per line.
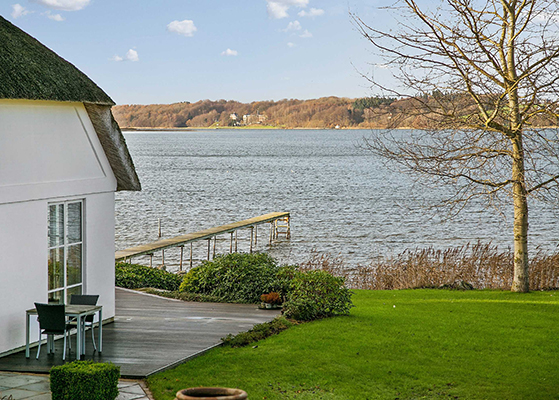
x,y
313,12
289,44
19,11
278,8
132,55
230,52
293,26
185,28
64,5
54,17
306,34
277,11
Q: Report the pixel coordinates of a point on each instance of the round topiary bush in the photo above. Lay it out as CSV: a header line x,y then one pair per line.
x,y
236,277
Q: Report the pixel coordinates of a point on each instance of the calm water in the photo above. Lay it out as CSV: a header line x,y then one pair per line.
x,y
341,198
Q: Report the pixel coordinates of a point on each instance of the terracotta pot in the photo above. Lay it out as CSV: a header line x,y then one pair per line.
x,y
211,393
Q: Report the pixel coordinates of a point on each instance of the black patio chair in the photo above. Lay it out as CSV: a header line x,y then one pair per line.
x,y
86,300
52,321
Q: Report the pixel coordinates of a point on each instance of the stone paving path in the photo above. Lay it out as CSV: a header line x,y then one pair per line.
x,y
37,387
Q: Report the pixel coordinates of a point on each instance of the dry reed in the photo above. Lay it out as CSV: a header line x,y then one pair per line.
x,y
484,266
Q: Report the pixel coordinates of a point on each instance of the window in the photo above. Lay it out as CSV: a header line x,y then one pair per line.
x,y
65,238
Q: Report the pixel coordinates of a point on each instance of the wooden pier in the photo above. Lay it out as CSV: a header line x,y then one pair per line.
x,y
279,225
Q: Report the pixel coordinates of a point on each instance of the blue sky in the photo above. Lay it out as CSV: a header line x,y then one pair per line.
x,y
145,51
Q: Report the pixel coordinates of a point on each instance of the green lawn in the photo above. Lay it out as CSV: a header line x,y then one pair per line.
x,y
408,344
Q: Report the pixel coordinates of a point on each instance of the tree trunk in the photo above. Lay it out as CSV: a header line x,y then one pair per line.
x,y
521,279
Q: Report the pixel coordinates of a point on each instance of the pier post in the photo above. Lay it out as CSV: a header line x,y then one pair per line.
x,y
271,231
251,236
151,259
180,264
209,243
215,241
256,235
235,241
190,255
231,244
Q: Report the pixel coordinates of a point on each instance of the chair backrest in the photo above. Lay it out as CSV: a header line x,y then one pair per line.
x,y
51,316
84,299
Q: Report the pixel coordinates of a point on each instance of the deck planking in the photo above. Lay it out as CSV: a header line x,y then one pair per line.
x,y
150,334
209,233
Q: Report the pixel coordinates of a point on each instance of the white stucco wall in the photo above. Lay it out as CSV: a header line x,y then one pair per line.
x,y
49,152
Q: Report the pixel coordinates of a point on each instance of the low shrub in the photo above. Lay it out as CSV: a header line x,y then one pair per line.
x,y
258,332
84,380
236,277
134,276
184,296
317,294
284,276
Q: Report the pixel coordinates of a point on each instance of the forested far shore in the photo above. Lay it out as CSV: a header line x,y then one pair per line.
x,y
325,112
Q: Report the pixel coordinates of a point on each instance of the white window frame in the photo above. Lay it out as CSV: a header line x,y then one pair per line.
x,y
66,247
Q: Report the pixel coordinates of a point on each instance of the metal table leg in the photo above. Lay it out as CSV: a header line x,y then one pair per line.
x,y
79,338
100,338
27,316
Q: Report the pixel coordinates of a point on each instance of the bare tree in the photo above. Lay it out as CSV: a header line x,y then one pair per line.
x,y
482,78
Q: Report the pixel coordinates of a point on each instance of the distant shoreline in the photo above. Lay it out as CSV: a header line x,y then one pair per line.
x,y
267,127
248,128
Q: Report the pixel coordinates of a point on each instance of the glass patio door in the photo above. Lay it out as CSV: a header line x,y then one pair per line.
x,y
65,259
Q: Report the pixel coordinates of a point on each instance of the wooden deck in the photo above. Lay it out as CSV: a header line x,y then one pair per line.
x,y
151,334
205,234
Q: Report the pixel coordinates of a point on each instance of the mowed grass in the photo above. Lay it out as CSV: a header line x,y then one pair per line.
x,y
407,344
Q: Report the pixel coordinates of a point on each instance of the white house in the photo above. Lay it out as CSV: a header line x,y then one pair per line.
x,y
62,157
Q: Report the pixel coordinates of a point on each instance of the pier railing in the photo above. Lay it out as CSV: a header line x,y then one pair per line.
x,y
279,225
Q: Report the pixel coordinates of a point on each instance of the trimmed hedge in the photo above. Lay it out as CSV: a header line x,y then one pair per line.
x,y
84,380
236,277
135,276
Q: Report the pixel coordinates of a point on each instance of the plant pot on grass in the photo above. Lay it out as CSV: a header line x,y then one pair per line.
x,y
211,393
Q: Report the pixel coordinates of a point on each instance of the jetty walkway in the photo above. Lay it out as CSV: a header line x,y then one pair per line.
x,y
279,225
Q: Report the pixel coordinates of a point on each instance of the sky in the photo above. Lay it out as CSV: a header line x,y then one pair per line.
x,y
168,51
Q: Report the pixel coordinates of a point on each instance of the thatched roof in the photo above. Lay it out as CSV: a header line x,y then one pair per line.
x,y
114,145
29,70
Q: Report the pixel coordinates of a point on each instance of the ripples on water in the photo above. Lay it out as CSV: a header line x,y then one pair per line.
x,y
341,198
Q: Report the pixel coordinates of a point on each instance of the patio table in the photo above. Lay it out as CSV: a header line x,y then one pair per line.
x,y
77,311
